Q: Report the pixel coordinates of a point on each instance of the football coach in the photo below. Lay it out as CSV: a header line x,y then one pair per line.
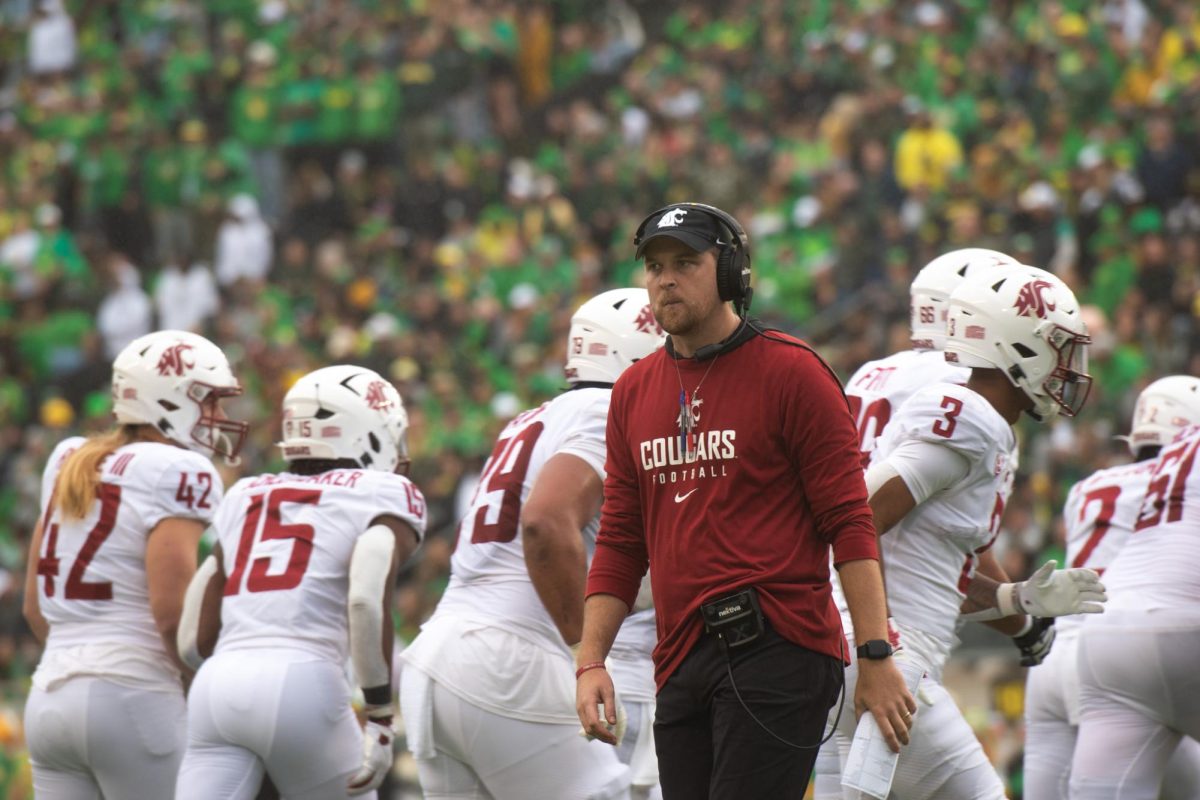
x,y
733,471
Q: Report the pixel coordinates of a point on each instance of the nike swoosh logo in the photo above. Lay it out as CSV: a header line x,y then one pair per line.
x,y
680,498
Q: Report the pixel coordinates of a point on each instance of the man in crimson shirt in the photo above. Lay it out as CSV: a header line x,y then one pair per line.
x,y
733,463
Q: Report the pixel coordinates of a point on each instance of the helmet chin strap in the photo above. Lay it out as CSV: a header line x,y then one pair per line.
x,y
220,437
1045,408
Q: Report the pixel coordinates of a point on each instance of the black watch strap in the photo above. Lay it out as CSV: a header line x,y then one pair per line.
x,y
875,650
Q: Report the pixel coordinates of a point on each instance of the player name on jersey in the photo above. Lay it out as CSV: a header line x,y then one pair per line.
x,y
344,478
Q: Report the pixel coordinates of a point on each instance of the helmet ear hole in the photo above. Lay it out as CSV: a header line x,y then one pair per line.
x,y
1024,351
374,441
168,405
323,413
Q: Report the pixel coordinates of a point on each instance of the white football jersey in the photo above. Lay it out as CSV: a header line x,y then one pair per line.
x,y
491,641
929,557
92,571
488,576
286,542
1156,569
879,388
1099,515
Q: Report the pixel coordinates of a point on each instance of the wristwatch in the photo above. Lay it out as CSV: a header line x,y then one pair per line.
x,y
875,650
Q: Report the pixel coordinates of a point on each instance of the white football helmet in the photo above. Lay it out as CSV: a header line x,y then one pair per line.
x,y
1025,322
932,287
1163,409
610,332
167,379
345,412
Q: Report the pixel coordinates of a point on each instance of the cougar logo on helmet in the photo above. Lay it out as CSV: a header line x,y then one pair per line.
x,y
375,397
173,361
1031,302
646,322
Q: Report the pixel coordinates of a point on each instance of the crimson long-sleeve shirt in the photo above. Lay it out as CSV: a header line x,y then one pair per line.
x,y
774,482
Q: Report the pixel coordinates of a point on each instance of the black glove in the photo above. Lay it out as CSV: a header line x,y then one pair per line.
x,y
1035,643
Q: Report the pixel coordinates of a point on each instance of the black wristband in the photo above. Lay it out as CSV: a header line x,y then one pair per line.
x,y
378,695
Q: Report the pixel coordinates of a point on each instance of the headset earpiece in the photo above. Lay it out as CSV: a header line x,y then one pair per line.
x,y
727,286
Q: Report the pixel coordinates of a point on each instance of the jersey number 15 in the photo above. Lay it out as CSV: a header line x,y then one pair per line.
x,y
260,580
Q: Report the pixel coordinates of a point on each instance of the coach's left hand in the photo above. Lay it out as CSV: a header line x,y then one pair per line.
x,y
881,690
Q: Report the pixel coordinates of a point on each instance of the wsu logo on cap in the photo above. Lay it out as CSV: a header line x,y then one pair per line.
x,y
375,398
672,218
1031,302
173,361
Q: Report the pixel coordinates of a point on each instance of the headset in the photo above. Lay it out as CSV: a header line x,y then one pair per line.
x,y
733,257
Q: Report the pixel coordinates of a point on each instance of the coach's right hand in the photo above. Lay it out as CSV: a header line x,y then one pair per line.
x,y
880,689
593,689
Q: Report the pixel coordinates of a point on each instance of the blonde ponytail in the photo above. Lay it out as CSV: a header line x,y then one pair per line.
x,y
79,477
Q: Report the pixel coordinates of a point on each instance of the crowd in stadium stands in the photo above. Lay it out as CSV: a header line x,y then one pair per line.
x,y
430,187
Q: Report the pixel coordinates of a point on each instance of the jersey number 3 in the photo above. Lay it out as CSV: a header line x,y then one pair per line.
x,y
945,426
301,535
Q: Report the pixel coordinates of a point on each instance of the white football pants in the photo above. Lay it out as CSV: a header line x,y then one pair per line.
x,y
637,750
943,759
1139,696
249,712
479,755
1052,727
90,738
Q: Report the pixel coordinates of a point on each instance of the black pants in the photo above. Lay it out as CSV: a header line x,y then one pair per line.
x,y
709,747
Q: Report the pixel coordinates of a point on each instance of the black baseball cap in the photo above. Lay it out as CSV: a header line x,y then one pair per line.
x,y
695,228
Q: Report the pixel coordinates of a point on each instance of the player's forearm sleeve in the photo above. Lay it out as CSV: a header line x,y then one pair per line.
x,y
188,636
369,568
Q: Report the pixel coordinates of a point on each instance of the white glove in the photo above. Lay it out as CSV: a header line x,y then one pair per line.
x,y
377,756
1053,593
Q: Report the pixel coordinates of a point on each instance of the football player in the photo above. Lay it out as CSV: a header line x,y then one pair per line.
x,y
488,693
122,514
874,392
1100,513
1139,689
301,576
937,483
